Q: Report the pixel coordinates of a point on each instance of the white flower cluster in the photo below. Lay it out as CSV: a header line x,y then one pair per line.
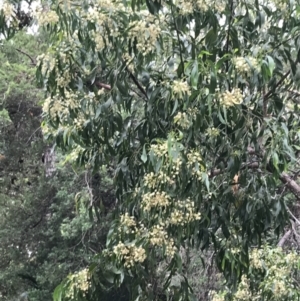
x,y
187,7
146,35
181,88
46,17
63,79
242,66
48,63
99,40
8,9
159,237
127,221
243,293
280,4
183,120
80,281
184,213
212,132
232,98
131,254
195,163
160,150
205,5
176,167
153,180
155,199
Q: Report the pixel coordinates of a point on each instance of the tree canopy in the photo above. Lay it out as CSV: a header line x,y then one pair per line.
x,y
194,106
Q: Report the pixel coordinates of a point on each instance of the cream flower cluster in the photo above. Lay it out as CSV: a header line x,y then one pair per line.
x,y
184,213
183,120
195,163
99,40
176,167
130,254
8,9
180,88
127,221
212,132
48,63
187,7
232,98
64,79
152,180
146,35
80,281
46,17
280,4
160,150
242,66
243,293
159,237
155,199
217,5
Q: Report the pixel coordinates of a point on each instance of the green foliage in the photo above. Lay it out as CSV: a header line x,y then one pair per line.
x,y
193,105
273,275
44,233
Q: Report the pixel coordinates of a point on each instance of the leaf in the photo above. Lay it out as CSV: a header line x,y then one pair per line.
x,y
213,82
275,160
271,64
180,69
57,294
194,75
211,38
144,155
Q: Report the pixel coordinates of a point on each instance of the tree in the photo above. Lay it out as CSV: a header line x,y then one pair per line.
x,y
194,105
44,233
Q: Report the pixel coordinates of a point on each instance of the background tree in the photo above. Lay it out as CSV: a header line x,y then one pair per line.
x,y
44,233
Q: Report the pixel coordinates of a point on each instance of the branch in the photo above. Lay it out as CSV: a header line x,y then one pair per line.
x,y
178,38
102,85
290,183
228,34
29,56
137,83
284,177
284,238
269,93
216,172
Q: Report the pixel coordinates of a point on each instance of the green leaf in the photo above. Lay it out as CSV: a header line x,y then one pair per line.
x,y
271,64
275,160
57,294
194,75
144,154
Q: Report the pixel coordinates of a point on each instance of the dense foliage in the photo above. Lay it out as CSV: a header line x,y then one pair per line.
x,y
44,233
193,105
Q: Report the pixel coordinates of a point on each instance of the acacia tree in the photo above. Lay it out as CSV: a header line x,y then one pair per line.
x,y
194,104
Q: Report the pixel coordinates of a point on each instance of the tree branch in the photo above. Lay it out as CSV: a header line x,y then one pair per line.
x,y
137,83
102,85
291,184
284,238
270,92
29,56
228,34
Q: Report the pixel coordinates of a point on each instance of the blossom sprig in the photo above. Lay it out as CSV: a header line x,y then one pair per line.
x,y
231,98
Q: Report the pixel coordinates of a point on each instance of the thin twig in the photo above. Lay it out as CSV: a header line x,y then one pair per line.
x,y
137,83
270,92
178,38
30,57
102,85
228,34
